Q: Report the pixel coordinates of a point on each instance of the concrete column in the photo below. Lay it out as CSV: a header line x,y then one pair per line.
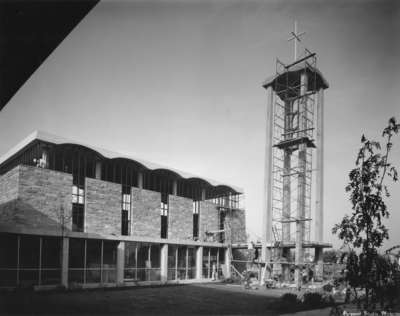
x,y
203,194
120,262
199,263
319,202
64,261
301,184
319,264
175,187
164,263
228,262
98,170
45,158
267,200
140,180
287,156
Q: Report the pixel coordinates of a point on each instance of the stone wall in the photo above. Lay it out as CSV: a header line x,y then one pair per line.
x,y
235,222
208,218
9,185
44,199
8,195
180,218
102,207
146,217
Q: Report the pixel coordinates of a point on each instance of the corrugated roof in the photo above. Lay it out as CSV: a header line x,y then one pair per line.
x,y
50,138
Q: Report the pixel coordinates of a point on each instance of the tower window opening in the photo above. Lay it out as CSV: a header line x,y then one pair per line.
x,y
126,211
164,214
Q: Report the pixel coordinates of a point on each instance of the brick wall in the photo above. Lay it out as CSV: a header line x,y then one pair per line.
x,y
102,207
146,218
208,218
44,198
180,221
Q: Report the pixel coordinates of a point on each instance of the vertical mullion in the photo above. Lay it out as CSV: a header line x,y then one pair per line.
x,y
18,256
176,263
40,260
136,260
149,259
216,268
209,262
84,262
187,263
101,261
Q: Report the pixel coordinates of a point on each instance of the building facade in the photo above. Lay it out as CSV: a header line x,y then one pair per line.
x,y
79,216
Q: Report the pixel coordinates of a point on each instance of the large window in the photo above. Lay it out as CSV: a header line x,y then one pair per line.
x,y
142,262
210,261
181,263
78,208
29,260
126,211
164,215
92,261
196,212
222,234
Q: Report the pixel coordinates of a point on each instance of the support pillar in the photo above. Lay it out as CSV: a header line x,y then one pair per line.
x,y
175,187
319,264
301,184
140,180
286,267
267,201
98,170
287,156
199,263
120,262
203,194
228,262
64,261
164,263
319,202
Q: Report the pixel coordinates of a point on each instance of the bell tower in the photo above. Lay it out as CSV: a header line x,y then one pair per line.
x,y
294,142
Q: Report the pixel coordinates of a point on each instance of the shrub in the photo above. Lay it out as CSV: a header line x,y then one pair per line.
x,y
327,287
289,298
288,302
313,300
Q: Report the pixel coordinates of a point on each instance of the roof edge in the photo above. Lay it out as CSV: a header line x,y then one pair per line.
x,y
58,140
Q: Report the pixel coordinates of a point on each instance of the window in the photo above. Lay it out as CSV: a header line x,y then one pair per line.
x,y
222,234
92,261
78,194
27,260
78,208
142,262
126,211
196,212
164,215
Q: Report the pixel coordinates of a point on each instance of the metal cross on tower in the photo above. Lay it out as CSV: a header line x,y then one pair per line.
x,y
296,38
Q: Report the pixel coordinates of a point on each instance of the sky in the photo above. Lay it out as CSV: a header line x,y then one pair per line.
x,y
179,83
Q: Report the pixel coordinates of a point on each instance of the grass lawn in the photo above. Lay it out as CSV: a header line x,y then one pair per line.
x,y
203,299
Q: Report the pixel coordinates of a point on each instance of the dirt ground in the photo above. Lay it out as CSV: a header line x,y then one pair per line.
x,y
194,299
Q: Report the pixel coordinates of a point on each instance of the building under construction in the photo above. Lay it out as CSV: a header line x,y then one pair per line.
x,y
80,216
293,204
293,185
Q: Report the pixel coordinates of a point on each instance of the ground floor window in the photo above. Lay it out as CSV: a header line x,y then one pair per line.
x,y
92,261
181,262
27,260
211,262
142,261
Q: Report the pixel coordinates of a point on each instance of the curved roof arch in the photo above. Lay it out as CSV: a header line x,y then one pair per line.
x,y
110,155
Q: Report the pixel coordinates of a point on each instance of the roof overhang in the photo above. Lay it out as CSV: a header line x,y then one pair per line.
x,y
54,139
291,77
